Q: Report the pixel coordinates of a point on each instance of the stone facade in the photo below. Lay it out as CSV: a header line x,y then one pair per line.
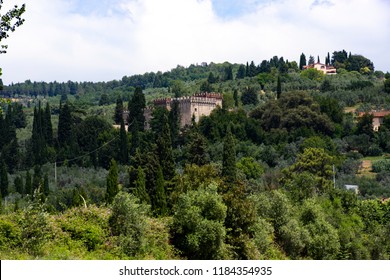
x,y
198,105
326,69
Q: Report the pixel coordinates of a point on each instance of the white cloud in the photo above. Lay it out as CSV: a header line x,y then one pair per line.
x,y
151,35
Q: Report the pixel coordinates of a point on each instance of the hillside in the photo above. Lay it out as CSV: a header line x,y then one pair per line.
x,y
262,177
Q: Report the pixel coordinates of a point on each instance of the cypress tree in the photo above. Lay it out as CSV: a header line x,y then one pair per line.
x,y
28,184
174,122
48,127
112,182
118,115
235,97
241,72
160,199
124,145
136,108
302,61
318,59
229,157
140,186
65,125
278,88
197,150
3,180
165,154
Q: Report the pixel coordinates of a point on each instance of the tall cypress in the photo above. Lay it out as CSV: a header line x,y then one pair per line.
x,y
65,125
48,127
136,108
160,198
112,182
278,88
174,121
164,149
118,115
229,157
124,146
302,61
3,180
140,186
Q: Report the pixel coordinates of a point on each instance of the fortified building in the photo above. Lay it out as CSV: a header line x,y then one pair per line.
x,y
198,105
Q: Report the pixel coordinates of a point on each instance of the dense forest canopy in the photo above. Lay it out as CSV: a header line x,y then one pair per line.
x,y
262,177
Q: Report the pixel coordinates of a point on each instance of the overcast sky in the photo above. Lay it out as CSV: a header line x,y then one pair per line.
x,y
102,40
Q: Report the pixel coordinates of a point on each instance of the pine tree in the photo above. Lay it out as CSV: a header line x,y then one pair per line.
x,y
28,184
302,61
112,182
165,154
118,116
140,186
278,88
3,180
124,144
229,157
160,199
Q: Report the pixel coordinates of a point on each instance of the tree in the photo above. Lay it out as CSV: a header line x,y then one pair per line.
x,y
37,179
65,125
112,182
104,100
164,150
136,108
3,180
241,72
46,189
140,186
386,85
302,61
311,60
364,125
198,224
197,150
159,203
235,97
48,128
228,73
118,115
123,143
28,184
278,88
229,157
174,121
9,22
18,183
128,221
249,96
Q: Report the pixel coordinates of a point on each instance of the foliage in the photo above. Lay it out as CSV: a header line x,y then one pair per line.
x,y
128,222
197,229
112,182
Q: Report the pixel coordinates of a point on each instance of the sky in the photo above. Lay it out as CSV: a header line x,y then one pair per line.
x,y
103,40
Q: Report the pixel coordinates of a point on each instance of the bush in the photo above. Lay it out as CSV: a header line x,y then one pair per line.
x,y
381,165
128,222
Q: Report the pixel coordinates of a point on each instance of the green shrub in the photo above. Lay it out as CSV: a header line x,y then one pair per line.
x,y
381,165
